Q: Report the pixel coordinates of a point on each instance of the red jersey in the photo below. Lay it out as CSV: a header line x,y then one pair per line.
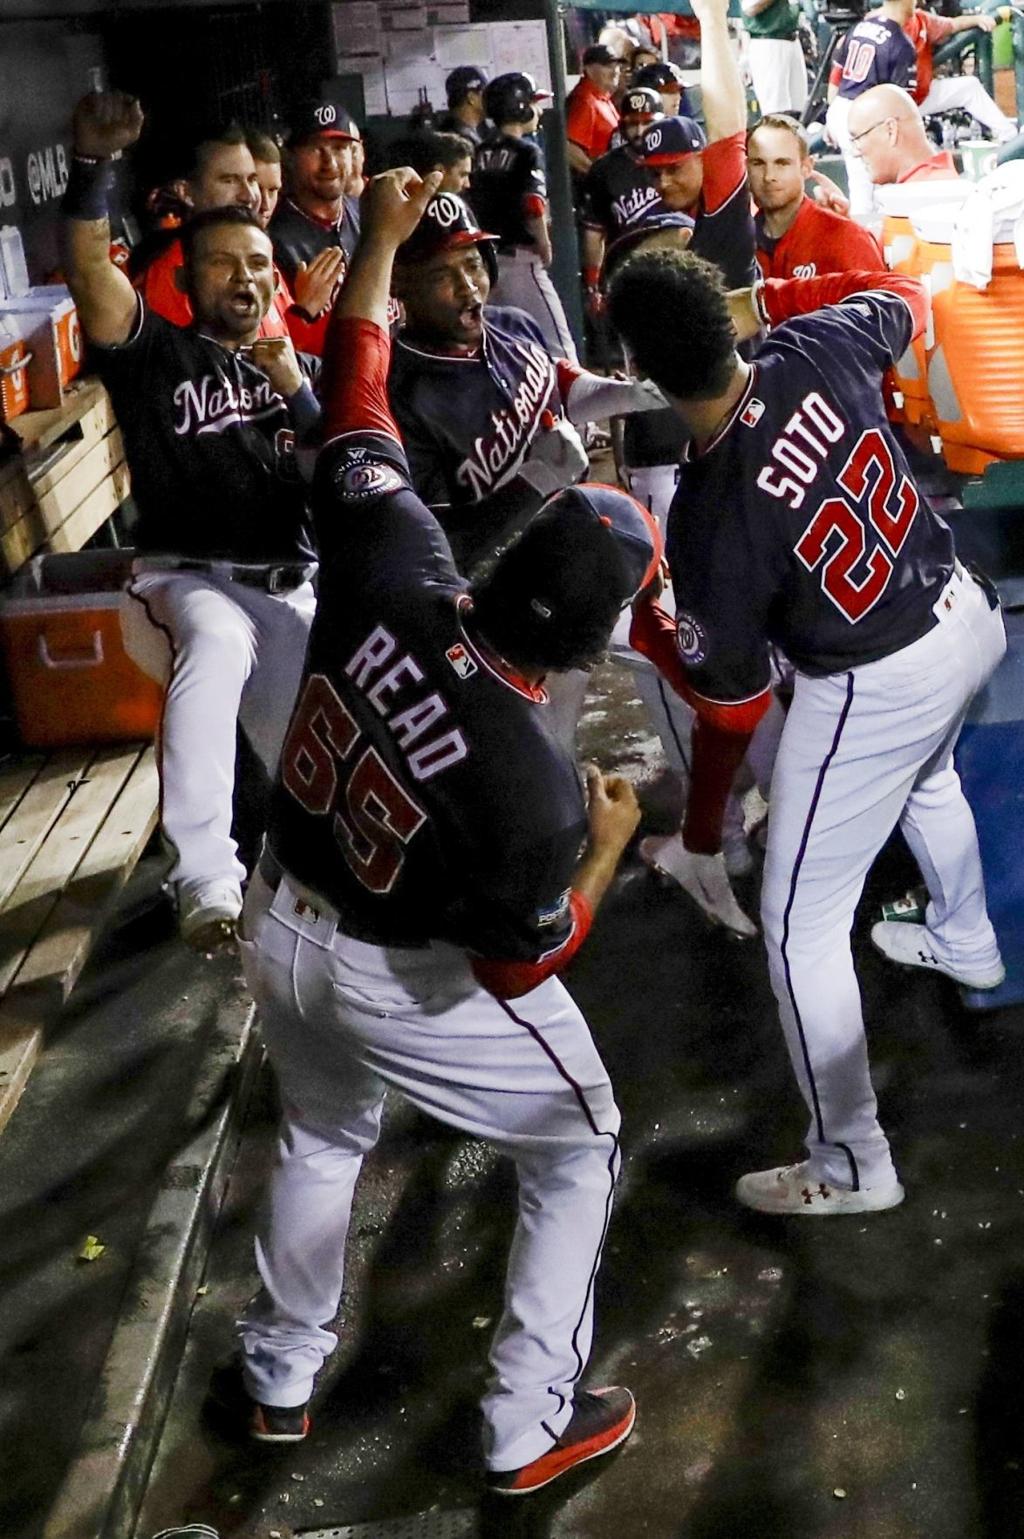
x,y
156,283
818,241
591,117
938,168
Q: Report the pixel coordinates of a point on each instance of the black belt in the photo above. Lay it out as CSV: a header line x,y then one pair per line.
x,y
279,577
273,873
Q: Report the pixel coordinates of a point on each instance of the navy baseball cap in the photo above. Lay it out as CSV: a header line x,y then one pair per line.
x,y
321,114
653,223
642,102
447,222
466,77
660,76
672,139
570,521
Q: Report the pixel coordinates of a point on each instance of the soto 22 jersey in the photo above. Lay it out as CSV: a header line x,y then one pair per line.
x,y
800,524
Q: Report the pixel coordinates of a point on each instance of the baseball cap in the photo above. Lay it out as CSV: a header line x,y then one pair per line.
x,y
555,593
321,114
465,77
672,139
447,222
659,75
599,53
656,220
641,102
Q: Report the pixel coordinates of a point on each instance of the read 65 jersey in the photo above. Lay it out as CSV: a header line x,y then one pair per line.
x,y
803,526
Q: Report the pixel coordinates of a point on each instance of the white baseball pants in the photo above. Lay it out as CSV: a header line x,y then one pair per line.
x,y
778,73
861,188
967,92
862,751
524,281
343,1021
228,654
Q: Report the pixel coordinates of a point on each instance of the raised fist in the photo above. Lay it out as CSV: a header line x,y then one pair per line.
x,y
105,123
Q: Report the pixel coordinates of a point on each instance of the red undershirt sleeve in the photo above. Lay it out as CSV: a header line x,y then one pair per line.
x,y
784,298
507,980
354,386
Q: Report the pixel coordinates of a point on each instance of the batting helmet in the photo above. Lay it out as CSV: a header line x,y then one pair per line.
x,y
512,98
447,223
553,597
642,103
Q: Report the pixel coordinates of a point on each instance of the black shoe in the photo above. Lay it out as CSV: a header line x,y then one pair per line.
x,y
278,1423
236,1410
601,1420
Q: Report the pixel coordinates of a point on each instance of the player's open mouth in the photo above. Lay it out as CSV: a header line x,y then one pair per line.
x,y
244,304
471,315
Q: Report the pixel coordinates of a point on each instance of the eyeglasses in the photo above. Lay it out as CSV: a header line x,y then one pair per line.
x,y
855,138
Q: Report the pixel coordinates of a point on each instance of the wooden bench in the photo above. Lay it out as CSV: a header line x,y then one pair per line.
x,y
73,823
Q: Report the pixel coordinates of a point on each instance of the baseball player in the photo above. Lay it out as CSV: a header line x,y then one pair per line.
x,y
951,93
223,175
464,89
591,116
797,522
221,600
778,70
421,888
874,52
488,416
510,197
316,225
617,191
667,80
796,237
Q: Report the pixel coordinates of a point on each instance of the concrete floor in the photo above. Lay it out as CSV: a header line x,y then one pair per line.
x,y
795,1379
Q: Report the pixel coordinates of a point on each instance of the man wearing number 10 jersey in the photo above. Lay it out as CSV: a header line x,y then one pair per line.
x,y
797,523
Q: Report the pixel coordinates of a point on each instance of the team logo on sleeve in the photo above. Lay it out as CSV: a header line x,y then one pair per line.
x,y
691,638
358,482
752,413
461,661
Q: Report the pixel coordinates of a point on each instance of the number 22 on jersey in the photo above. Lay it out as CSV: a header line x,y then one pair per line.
x,y
835,539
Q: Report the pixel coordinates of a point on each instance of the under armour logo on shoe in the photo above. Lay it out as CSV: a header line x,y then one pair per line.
x,y
809,1196
926,958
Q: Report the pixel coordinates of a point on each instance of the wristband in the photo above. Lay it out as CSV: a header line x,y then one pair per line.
x,y
591,277
90,185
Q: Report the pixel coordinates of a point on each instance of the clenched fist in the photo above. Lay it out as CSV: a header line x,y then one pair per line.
x,y
105,123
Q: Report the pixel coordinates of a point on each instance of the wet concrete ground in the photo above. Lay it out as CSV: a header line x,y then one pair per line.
x,y
796,1379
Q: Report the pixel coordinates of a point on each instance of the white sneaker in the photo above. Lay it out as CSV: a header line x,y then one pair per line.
x,y
792,1189
208,911
909,945
703,877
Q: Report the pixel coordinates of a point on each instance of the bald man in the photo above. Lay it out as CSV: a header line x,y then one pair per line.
x,y
887,133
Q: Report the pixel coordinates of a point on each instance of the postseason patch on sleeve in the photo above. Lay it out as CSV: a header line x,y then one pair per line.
x,y
555,914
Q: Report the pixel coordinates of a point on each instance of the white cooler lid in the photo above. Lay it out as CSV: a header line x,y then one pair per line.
x,y
909,198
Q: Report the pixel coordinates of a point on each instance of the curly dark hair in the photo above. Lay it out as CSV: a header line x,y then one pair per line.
x,y
670,308
551,600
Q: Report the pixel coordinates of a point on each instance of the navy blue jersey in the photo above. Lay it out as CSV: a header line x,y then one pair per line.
x,y
617,193
420,790
509,188
298,237
876,52
800,523
467,423
210,444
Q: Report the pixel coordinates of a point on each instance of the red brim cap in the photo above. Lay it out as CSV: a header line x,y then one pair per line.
x,y
670,159
542,96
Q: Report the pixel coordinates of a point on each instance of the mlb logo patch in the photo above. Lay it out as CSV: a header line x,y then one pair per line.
x,y
752,413
461,661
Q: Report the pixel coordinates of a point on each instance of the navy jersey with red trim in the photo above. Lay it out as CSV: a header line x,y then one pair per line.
x,y
618,193
468,422
876,52
211,446
800,523
508,180
297,237
420,790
